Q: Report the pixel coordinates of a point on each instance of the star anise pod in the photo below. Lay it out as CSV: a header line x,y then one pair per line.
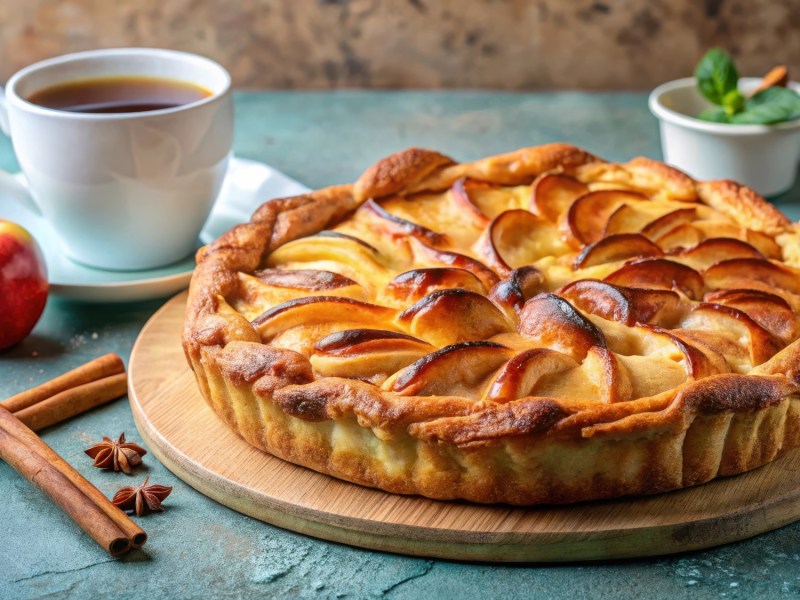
x,y
143,499
120,455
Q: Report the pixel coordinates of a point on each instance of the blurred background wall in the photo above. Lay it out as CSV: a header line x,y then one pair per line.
x,y
511,44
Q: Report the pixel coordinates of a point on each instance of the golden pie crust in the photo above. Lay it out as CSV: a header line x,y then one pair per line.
x,y
536,327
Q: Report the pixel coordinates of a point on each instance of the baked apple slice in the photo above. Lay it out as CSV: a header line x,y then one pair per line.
x,y
318,309
659,273
586,218
553,193
715,250
736,325
516,238
621,246
394,225
627,305
370,354
756,273
679,237
700,360
451,316
426,255
772,312
455,370
519,376
269,287
413,285
666,223
764,243
355,258
554,323
460,193
516,288
608,375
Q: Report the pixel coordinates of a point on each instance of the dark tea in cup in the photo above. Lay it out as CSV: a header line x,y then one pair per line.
x,y
119,94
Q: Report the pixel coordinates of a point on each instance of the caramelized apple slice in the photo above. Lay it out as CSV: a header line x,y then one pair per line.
x,y
310,280
518,286
400,226
681,236
626,305
554,323
552,194
460,194
457,370
714,250
413,285
516,238
744,273
634,217
272,286
666,223
608,375
736,325
659,273
452,316
428,256
700,359
765,244
735,354
357,341
587,216
370,354
615,248
519,376
353,254
318,309
338,235
772,312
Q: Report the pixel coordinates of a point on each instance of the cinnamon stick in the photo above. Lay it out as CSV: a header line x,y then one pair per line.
x,y
104,366
777,76
27,460
23,435
72,401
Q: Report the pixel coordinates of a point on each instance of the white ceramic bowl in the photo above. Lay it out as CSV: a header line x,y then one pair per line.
x,y
763,157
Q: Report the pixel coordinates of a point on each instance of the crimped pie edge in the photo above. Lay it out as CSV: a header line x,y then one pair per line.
x,y
720,425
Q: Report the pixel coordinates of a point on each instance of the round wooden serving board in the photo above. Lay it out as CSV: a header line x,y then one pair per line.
x,y
189,439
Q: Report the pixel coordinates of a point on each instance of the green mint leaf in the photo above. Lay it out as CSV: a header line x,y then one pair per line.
x,y
716,75
773,105
733,102
717,114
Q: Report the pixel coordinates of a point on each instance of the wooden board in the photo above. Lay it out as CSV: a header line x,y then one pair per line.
x,y
189,439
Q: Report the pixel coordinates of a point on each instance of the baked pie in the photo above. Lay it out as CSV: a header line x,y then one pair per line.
x,y
535,327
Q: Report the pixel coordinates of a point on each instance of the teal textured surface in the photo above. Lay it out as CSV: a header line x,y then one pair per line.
x,y
198,548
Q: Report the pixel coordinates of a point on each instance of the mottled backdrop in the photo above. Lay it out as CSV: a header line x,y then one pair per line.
x,y
515,44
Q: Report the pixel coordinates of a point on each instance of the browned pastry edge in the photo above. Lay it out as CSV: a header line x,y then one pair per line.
x,y
742,204
523,452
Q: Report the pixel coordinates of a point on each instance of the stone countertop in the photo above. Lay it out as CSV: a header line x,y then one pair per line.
x,y
199,548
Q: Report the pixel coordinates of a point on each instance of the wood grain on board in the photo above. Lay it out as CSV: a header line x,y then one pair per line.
x,y
185,434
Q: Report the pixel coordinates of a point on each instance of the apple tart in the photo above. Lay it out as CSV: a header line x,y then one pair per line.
x,y
536,327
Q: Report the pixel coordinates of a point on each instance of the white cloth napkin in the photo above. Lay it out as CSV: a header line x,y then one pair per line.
x,y
248,185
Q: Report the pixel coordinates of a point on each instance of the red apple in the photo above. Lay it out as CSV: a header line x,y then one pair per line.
x,y
23,283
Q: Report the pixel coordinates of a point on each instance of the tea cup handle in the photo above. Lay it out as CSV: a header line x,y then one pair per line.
x,y
3,113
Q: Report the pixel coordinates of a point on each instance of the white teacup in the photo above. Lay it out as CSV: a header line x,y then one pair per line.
x,y
123,191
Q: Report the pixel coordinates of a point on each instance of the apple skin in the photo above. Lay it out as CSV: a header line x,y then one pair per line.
x,y
23,283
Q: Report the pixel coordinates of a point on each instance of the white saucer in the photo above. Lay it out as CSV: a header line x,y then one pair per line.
x,y
247,185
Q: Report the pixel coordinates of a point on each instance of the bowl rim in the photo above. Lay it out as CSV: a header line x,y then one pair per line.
x,y
674,117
